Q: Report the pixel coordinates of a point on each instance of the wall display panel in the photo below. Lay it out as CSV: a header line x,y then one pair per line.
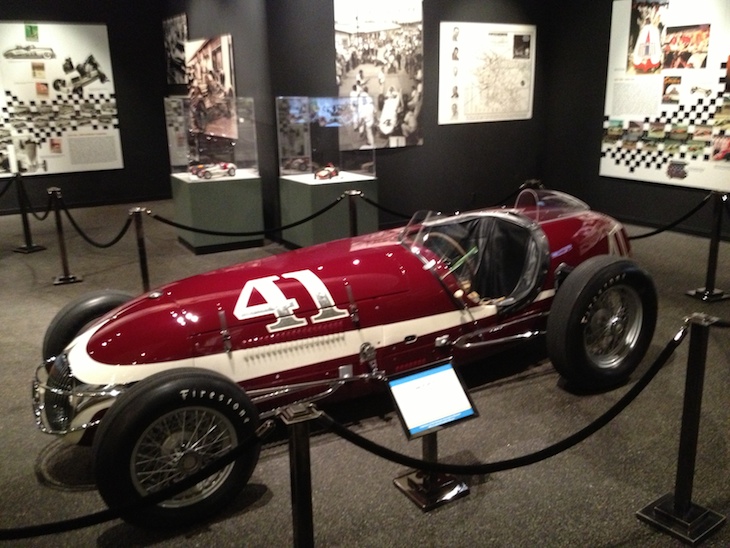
x,y
175,30
379,67
177,132
58,111
486,72
667,106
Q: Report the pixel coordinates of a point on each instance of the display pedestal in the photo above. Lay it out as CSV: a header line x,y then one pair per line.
x,y
302,195
429,490
229,204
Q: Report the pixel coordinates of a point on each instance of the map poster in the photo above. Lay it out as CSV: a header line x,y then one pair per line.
x,y
667,105
58,111
486,72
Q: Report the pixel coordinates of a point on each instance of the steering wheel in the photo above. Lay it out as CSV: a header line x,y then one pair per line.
x,y
464,258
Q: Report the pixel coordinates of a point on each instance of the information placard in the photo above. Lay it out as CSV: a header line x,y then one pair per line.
x,y
430,399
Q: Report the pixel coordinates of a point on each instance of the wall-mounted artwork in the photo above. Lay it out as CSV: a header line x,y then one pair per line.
x,y
212,86
667,107
486,72
379,68
175,31
58,110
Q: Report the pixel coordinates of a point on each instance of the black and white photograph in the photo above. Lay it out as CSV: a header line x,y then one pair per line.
x,y
211,86
175,30
379,67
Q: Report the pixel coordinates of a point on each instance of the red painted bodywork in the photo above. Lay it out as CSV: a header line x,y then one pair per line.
x,y
387,284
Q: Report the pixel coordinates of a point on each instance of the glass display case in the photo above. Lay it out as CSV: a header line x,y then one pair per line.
x,y
214,163
315,137
207,141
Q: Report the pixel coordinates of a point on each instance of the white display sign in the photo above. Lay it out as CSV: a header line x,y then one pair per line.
x,y
486,72
57,103
667,107
430,399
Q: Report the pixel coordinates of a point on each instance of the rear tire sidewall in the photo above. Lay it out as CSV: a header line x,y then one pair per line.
x,y
573,304
144,403
72,318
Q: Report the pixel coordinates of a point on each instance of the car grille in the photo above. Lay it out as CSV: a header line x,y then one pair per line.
x,y
58,406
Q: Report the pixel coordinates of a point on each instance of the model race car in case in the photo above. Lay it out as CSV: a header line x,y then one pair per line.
x,y
163,384
216,169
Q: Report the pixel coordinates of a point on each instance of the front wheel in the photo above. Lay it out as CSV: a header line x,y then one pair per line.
x,y
601,322
76,315
163,429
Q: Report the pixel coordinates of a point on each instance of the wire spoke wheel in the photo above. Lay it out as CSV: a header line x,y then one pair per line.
x,y
179,444
601,322
613,326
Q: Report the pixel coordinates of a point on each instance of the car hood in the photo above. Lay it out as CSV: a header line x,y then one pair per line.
x,y
178,321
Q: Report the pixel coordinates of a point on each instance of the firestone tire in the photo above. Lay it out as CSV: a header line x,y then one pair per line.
x,y
72,318
167,427
601,322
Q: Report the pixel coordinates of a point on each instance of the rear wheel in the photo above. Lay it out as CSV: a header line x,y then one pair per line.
x,y
163,429
602,321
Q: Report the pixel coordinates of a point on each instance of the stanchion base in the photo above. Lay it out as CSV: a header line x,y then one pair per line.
x,y
694,527
29,249
428,491
703,294
70,279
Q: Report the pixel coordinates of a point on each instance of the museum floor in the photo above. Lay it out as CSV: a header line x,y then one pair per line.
x,y
586,496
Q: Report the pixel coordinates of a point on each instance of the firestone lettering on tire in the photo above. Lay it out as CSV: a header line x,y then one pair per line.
x,y
192,393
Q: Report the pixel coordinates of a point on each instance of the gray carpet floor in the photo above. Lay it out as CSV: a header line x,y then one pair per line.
x,y
586,496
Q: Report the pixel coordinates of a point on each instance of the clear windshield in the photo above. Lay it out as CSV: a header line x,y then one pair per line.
x,y
443,244
484,256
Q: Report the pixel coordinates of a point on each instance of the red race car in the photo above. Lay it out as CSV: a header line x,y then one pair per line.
x,y
164,383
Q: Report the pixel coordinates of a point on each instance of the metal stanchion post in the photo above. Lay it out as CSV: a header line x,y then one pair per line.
x,y
709,292
297,417
29,246
429,490
351,195
66,277
141,249
675,513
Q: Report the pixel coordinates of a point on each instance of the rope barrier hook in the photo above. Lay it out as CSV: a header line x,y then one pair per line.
x,y
66,278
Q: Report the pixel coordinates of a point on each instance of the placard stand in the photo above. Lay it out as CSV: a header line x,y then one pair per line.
x,y
429,490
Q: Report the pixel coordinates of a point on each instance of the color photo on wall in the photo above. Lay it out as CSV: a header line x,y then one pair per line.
x,y
667,108
379,68
58,110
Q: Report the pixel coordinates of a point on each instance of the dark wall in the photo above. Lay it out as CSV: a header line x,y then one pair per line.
x,y
135,41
